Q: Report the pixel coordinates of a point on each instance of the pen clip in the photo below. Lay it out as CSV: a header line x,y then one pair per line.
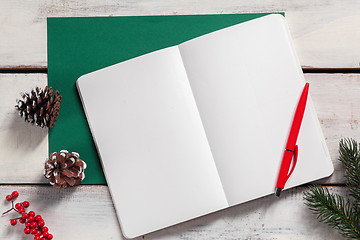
x,y
294,161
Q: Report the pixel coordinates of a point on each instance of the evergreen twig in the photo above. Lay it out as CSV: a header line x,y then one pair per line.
x,y
349,155
343,215
334,210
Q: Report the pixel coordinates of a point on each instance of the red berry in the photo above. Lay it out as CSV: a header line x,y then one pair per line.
x,y
42,238
45,229
32,213
21,210
38,218
24,215
18,205
50,236
8,198
38,233
33,225
36,238
13,222
27,224
15,194
41,223
45,234
30,219
27,230
22,220
33,231
26,204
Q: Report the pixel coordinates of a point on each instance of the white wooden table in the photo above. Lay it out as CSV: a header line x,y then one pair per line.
x,y
327,39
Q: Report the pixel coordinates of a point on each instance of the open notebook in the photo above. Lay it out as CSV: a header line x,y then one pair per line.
x,y
198,127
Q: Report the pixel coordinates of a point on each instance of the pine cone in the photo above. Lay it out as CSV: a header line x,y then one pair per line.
x,y
64,169
40,107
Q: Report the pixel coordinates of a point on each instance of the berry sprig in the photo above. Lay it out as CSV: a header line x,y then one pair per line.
x,y
34,224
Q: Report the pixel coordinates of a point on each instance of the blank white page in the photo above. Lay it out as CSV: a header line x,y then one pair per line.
x,y
247,81
152,144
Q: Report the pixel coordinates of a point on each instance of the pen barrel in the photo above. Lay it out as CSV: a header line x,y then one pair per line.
x,y
284,169
299,114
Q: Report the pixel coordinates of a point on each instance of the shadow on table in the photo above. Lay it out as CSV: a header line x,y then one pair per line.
x,y
25,134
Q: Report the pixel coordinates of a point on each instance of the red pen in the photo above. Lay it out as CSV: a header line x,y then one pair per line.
x,y
291,149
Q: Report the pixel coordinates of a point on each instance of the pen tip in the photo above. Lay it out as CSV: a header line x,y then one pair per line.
x,y
277,192
306,87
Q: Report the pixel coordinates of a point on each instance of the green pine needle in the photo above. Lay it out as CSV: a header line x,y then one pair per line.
x,y
330,208
333,210
349,155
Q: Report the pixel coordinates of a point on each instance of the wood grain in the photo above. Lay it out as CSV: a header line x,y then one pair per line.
x,y
24,147
87,212
325,33
336,98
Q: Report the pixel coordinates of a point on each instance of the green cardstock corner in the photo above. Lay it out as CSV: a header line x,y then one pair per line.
x,y
77,46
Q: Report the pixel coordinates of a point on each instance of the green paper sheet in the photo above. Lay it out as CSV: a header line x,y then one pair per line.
x,y
77,46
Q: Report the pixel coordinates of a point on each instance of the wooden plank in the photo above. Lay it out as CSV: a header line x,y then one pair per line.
x,y
87,212
24,147
325,33
335,96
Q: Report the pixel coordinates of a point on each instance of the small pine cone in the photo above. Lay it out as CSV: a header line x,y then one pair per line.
x,y
64,169
40,107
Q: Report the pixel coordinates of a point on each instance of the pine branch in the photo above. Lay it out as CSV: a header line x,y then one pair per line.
x,y
349,155
333,210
